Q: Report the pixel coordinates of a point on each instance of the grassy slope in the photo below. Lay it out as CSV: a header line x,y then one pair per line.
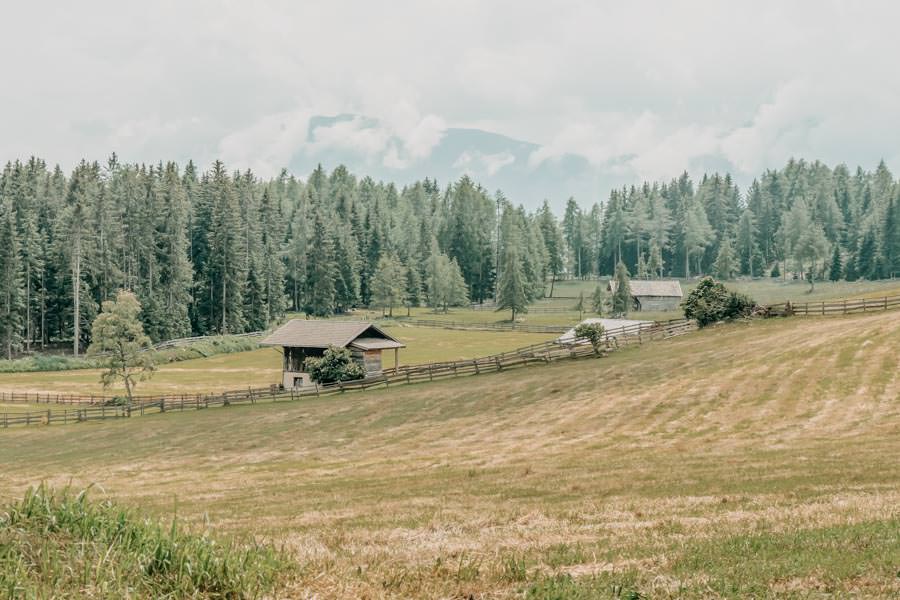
x,y
262,367
746,460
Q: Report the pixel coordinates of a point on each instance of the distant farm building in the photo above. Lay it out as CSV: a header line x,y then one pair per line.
x,y
302,339
653,295
613,328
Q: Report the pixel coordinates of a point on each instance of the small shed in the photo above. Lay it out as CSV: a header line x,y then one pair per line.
x,y
653,294
302,339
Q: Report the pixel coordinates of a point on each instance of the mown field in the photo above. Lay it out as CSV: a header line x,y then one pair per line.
x,y
748,460
262,367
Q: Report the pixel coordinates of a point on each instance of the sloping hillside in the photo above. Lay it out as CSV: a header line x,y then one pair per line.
x,y
744,460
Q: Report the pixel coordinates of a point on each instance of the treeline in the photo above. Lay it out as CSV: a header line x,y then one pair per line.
x,y
227,252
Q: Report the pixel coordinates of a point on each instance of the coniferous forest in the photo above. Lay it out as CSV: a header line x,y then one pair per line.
x,y
213,251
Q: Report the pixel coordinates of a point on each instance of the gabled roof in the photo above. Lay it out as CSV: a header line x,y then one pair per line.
x,y
302,333
643,287
370,343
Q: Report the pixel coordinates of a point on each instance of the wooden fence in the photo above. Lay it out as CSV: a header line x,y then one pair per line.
x,y
833,307
89,408
523,327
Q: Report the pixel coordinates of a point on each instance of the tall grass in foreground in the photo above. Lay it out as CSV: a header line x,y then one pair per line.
x,y
60,544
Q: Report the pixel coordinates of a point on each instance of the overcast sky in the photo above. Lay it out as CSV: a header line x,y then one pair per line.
x,y
640,89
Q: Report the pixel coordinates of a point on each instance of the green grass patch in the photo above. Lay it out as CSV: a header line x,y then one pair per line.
x,y
60,544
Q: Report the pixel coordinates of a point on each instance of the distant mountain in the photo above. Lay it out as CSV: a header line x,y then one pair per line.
x,y
493,160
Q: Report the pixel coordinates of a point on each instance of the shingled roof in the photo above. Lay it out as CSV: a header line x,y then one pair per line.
x,y
642,287
302,333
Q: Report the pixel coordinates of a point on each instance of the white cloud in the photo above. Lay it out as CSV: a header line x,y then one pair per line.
x,y
474,162
640,89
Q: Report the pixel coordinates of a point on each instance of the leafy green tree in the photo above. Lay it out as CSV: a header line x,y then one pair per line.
x,y
118,334
592,332
579,306
710,302
389,284
336,364
621,298
444,282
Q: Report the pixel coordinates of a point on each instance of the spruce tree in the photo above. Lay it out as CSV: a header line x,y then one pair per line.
x,y
598,300
12,301
621,298
837,268
512,291
320,273
725,261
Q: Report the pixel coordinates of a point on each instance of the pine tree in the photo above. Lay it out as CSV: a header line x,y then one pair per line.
x,y
655,262
320,273
837,267
621,299
226,270
271,263
172,243
12,302
512,291
598,300
746,242
725,261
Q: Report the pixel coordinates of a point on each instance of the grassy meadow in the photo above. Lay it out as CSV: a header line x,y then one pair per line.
x,y
747,460
764,291
261,367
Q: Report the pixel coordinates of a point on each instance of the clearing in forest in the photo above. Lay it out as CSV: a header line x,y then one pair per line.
x,y
744,460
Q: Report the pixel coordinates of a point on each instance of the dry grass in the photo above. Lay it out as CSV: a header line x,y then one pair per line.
x,y
262,367
746,460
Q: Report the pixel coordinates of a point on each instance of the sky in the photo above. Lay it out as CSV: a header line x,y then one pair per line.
x,y
639,90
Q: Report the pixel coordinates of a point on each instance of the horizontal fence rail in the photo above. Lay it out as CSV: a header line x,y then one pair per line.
x,y
443,324
834,307
89,408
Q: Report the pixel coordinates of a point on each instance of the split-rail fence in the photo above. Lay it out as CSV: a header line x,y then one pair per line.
x,y
92,408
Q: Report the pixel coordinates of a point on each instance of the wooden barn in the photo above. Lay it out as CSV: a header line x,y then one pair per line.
x,y
653,294
301,339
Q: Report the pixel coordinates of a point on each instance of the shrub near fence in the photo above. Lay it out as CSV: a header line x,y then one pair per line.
x,y
535,354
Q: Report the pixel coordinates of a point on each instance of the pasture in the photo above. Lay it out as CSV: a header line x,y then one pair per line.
x,y
259,368
743,460
764,291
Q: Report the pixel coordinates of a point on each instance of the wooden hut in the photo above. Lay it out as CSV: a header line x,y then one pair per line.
x,y
301,339
653,294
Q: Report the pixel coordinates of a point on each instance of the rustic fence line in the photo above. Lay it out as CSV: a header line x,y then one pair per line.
x,y
542,353
523,327
832,307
